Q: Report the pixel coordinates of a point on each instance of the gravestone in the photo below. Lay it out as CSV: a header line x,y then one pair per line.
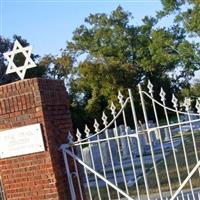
x,y
142,142
166,134
124,142
104,147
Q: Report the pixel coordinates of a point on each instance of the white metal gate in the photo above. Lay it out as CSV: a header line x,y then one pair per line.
x,y
131,159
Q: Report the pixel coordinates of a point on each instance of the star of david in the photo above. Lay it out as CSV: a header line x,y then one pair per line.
x,y
20,70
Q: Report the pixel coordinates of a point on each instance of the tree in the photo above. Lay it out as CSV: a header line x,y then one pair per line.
x,y
193,91
186,12
119,55
7,45
57,67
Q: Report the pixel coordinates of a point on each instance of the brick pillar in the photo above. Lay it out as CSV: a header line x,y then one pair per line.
x,y
38,175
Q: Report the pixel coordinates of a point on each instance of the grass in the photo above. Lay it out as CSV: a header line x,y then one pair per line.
x,y
153,188
172,169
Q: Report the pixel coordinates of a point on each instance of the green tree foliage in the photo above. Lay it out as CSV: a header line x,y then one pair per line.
x,y
57,67
110,53
193,91
186,11
7,45
187,14
62,67
117,55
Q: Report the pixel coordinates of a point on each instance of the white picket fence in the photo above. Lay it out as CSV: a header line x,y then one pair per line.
x,y
131,159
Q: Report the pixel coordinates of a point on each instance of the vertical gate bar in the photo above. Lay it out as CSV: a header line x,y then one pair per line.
x,y
184,148
70,181
93,166
150,142
103,166
161,142
120,156
99,176
131,155
193,139
111,158
173,148
78,176
86,174
139,145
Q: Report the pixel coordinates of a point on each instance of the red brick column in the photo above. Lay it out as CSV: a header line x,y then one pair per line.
x,y
38,175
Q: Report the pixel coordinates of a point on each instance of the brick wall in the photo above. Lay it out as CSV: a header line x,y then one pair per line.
x,y
39,175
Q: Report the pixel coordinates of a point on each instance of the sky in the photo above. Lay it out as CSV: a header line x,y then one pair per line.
x,y
47,25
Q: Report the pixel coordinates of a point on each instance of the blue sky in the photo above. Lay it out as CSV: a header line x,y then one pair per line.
x,y
47,25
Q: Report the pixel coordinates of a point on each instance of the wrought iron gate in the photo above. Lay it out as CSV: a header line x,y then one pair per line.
x,y
131,159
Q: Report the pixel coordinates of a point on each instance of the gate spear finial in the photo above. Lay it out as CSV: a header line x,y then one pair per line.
x,y
96,126
174,101
150,87
198,106
78,135
104,118
162,94
87,131
70,138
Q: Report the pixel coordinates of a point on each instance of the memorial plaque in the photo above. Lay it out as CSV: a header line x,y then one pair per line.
x,y
21,141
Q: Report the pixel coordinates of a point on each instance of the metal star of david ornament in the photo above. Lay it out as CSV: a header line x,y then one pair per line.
x,y
28,63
